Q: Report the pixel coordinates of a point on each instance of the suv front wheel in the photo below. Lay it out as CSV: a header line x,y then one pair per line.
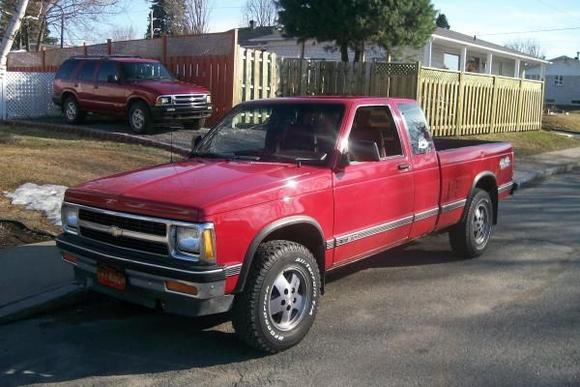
x,y
140,117
72,111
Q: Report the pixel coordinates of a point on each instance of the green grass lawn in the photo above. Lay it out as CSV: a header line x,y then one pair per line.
x,y
570,121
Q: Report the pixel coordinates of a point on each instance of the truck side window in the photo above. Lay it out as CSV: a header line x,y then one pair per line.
x,y
421,140
108,69
66,69
376,124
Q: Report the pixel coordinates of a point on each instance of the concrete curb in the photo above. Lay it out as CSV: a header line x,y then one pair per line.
x,y
538,176
100,135
64,295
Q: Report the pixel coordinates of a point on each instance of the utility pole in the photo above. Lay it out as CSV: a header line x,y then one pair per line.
x,y
151,29
10,33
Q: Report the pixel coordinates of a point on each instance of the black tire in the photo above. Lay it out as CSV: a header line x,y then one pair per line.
x,y
471,236
140,117
72,111
195,124
254,321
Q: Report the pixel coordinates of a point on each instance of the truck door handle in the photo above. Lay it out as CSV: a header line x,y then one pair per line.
x,y
404,167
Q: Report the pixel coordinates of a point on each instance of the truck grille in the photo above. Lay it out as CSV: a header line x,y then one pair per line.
x,y
124,231
195,100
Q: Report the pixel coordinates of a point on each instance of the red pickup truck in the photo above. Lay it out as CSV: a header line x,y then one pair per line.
x,y
275,196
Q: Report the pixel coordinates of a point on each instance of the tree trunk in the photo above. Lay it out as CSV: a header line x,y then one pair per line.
x,y
344,52
11,31
40,36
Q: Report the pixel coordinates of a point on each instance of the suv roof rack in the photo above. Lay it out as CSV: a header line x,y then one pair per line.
x,y
104,56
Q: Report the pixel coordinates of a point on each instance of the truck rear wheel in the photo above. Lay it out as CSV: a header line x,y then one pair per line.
x,y
470,237
279,303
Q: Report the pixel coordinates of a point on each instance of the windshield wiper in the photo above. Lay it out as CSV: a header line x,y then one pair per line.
x,y
226,156
296,159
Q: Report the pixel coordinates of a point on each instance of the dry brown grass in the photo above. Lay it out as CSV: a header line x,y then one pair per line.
x,y
562,121
43,157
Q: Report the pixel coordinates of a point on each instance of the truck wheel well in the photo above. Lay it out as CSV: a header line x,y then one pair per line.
x,y
135,100
488,184
304,233
64,96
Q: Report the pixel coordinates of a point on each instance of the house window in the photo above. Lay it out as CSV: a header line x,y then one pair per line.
x,y
558,80
451,61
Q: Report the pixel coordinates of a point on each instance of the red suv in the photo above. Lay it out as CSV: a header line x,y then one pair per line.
x,y
141,89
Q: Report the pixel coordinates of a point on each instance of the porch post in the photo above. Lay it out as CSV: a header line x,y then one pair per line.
x,y
428,52
489,64
463,59
517,69
542,72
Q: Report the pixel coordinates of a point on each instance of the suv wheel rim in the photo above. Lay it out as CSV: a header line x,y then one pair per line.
x,y
288,299
138,118
481,224
71,110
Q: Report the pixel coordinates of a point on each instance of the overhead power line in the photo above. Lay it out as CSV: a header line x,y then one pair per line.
x,y
530,31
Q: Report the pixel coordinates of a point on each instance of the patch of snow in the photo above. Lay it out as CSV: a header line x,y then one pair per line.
x,y
46,198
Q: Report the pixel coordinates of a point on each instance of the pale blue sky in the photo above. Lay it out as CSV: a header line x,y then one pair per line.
x,y
480,18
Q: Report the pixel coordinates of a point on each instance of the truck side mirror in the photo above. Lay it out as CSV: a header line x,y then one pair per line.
x,y
113,78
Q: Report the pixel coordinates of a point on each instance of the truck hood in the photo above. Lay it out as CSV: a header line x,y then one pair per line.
x,y
170,87
192,190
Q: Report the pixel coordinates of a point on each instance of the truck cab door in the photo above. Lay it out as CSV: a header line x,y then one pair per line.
x,y
110,94
426,172
85,85
373,193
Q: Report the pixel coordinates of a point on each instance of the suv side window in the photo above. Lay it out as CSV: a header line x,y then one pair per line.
x,y
66,69
87,72
421,140
108,68
376,124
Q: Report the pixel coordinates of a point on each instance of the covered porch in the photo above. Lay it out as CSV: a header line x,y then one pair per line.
x,y
451,50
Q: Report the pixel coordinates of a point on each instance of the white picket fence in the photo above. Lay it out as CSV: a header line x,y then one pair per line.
x,y
26,95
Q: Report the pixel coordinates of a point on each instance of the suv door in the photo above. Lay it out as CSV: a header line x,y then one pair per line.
x,y
85,85
109,94
373,198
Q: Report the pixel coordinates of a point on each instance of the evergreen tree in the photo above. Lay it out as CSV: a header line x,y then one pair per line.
x,y
168,18
442,21
390,24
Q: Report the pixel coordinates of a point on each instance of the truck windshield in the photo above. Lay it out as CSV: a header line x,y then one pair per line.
x,y
284,132
145,71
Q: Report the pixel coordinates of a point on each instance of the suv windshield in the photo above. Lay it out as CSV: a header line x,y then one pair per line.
x,y
138,71
286,132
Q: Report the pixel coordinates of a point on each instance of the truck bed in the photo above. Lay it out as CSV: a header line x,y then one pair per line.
x,y
444,143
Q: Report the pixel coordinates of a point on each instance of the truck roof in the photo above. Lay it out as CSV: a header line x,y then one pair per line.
x,y
333,99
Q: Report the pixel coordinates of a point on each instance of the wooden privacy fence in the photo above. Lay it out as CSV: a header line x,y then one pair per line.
x,y
464,104
305,77
454,103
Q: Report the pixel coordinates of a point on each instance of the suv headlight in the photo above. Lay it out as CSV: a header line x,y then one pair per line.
x,y
70,218
208,98
164,100
195,242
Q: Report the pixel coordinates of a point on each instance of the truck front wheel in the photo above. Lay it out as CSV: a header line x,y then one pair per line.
x,y
140,117
470,237
280,300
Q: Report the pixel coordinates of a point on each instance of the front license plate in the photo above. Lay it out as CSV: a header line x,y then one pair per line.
x,y
111,278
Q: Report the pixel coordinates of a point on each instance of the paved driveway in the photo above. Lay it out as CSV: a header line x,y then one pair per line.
x,y
414,316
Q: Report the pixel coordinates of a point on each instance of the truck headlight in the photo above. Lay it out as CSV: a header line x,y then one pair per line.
x,y
70,218
208,98
196,241
162,100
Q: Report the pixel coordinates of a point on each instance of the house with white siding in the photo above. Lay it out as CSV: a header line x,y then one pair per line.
x,y
562,78
445,49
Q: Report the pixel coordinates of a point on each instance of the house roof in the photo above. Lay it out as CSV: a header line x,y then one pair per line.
x,y
473,41
248,36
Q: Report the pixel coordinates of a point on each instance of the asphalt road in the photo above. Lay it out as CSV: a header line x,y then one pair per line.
x,y
414,316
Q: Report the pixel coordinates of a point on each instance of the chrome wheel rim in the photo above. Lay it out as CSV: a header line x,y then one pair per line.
x,y
70,110
138,118
481,224
288,300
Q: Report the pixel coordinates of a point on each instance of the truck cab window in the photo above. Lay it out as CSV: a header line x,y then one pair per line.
x,y
375,124
421,140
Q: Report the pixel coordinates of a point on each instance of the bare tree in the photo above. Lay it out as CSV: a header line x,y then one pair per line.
x,y
262,12
123,33
197,13
529,47
10,32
